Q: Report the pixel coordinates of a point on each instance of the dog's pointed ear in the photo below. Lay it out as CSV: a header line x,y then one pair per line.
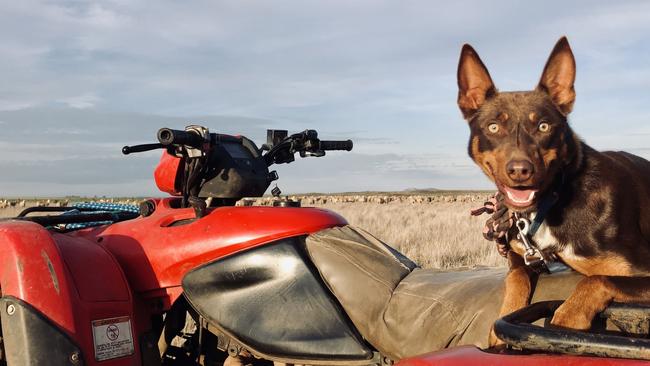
x,y
559,75
474,82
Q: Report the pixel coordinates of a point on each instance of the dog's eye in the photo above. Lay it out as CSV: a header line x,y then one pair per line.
x,y
544,127
493,127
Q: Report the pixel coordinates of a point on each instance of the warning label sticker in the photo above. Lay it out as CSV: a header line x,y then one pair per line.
x,y
112,338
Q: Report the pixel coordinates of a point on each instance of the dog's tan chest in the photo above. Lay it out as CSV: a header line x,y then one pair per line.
x,y
609,264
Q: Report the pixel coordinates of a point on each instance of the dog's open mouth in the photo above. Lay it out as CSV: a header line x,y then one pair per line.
x,y
518,197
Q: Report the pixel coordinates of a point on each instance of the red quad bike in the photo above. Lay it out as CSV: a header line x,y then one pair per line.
x,y
193,278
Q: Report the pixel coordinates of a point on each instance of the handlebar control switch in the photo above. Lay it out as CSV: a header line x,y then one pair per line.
x,y
205,135
274,137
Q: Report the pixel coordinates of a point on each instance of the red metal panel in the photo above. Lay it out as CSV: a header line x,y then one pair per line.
x,y
470,356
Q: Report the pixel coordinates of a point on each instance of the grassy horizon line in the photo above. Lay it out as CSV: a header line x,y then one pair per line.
x,y
429,191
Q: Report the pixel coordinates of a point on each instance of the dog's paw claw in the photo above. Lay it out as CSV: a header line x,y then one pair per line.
x,y
570,320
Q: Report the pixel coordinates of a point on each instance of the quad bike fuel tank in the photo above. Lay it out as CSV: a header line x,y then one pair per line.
x,y
271,300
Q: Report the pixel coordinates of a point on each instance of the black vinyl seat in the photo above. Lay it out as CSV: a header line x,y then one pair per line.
x,y
403,310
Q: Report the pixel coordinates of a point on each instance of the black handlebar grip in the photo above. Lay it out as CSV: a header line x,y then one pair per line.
x,y
336,145
167,137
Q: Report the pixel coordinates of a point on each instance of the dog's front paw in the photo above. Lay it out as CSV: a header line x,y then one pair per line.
x,y
569,317
493,340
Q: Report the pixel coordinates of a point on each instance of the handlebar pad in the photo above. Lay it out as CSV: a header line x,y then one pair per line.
x,y
336,145
167,136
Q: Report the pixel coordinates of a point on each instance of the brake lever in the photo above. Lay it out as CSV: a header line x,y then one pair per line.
x,y
315,153
126,150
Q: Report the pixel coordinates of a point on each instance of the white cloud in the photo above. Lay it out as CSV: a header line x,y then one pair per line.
x,y
81,101
14,105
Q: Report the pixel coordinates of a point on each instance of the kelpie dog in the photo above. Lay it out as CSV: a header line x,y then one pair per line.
x,y
596,215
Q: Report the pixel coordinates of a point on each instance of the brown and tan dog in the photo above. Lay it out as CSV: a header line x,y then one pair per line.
x,y
599,222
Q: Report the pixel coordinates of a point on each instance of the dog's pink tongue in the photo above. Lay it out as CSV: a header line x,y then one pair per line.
x,y
520,197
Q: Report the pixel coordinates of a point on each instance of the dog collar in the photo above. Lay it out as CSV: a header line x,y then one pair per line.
x,y
534,258
542,210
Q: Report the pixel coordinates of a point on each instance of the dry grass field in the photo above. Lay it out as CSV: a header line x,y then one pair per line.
x,y
435,231
436,235
10,211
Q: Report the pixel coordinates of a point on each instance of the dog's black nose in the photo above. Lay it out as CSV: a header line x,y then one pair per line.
x,y
520,170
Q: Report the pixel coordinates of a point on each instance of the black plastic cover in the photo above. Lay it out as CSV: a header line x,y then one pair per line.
x,y
235,170
31,339
274,302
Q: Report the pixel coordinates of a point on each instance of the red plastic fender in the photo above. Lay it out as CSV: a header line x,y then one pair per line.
x,y
33,271
470,356
166,173
71,281
102,292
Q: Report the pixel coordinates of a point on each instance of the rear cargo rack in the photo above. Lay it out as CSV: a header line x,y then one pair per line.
x,y
78,216
630,341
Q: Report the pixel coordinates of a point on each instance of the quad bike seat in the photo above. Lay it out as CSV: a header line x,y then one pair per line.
x,y
403,310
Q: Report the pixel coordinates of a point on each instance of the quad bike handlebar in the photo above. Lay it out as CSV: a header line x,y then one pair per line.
x,y
228,168
305,143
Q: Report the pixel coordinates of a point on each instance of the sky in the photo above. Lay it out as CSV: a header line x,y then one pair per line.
x,y
80,79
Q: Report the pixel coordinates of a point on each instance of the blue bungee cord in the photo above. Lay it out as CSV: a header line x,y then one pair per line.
x,y
98,207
